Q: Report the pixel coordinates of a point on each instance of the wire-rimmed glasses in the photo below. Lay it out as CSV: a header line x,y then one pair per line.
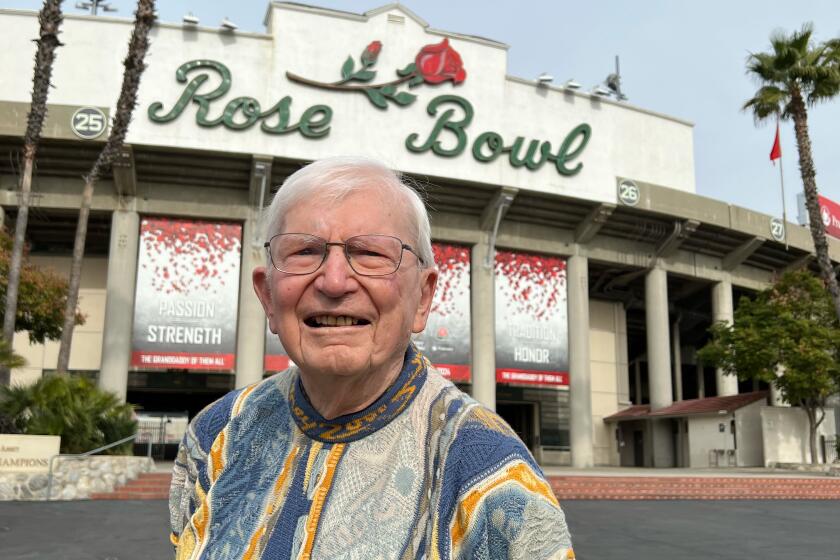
x,y
368,255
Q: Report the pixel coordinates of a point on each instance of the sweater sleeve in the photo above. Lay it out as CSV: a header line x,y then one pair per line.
x,y
496,503
190,480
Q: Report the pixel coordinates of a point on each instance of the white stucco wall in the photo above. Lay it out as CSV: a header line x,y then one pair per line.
x,y
606,340
786,434
86,351
704,435
625,142
750,451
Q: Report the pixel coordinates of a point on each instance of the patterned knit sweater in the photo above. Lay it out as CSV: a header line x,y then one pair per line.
x,y
423,472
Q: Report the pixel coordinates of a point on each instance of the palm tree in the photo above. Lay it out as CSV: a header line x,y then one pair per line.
x,y
50,19
134,64
795,75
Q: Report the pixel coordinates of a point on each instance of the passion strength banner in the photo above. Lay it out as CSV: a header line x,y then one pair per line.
x,y
532,342
446,340
187,296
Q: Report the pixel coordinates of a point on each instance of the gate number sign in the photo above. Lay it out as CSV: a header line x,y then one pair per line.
x,y
88,122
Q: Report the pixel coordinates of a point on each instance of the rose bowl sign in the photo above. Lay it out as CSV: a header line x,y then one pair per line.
x,y
433,65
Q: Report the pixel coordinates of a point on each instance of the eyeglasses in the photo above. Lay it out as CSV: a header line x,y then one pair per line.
x,y
368,255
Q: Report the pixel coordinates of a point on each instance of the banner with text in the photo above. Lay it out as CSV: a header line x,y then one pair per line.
x,y
532,343
830,214
187,295
275,358
446,340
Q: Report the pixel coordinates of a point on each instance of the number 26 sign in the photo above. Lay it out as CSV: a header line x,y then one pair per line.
x,y
88,123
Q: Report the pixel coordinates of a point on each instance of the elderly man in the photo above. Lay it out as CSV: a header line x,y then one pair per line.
x,y
361,450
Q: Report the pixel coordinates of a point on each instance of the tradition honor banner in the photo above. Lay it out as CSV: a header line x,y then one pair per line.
x,y
532,343
446,340
187,297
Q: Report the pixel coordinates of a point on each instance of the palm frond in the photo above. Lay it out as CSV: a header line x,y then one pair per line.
x,y
769,101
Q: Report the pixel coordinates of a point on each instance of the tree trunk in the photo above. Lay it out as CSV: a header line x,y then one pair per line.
x,y
134,64
16,260
809,183
813,424
75,278
50,19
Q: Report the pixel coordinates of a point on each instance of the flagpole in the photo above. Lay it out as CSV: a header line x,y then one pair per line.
x,y
782,182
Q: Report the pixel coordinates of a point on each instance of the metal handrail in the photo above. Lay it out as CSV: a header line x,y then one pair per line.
x,y
88,454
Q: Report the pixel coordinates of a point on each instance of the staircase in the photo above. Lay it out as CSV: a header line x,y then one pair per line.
x,y
694,488
148,486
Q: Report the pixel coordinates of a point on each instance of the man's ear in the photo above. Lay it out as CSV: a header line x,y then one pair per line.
x,y
428,282
262,286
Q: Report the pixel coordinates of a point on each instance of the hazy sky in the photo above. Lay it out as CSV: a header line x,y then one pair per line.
x,y
684,59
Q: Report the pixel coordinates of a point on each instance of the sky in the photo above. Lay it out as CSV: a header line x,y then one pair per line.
x,y
685,59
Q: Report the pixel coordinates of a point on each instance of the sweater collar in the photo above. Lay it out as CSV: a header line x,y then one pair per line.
x,y
380,413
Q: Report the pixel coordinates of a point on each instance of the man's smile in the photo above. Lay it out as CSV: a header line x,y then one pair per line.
x,y
332,321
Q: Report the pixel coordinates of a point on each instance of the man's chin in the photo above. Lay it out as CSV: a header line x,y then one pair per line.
x,y
338,360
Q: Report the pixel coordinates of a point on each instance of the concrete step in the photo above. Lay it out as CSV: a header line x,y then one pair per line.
x,y
148,486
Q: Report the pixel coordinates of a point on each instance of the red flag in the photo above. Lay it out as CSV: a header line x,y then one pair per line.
x,y
776,152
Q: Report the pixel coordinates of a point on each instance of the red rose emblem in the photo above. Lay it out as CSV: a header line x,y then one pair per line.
x,y
371,53
439,63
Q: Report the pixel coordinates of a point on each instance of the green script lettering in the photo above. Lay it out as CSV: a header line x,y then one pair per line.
x,y
240,113
488,146
444,122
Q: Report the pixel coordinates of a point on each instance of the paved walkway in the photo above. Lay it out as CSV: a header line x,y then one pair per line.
x,y
604,530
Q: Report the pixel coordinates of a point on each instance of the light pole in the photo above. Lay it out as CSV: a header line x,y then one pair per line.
x,y
94,5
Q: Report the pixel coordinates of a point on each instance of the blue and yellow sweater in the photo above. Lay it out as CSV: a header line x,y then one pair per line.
x,y
423,472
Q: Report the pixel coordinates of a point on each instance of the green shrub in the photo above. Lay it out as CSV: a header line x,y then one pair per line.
x,y
71,407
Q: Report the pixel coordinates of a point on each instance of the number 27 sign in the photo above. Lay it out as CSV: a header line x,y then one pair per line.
x,y
89,122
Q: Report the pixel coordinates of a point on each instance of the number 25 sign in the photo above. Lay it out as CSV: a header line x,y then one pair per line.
x,y
88,122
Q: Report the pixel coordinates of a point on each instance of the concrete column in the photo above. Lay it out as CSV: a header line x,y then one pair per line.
x,y
623,361
723,311
482,301
2,217
580,391
119,302
658,352
250,335
677,353
659,363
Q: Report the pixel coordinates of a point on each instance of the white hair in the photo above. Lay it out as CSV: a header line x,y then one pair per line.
x,y
333,179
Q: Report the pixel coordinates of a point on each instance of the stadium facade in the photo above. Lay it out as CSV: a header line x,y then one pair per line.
x,y
579,268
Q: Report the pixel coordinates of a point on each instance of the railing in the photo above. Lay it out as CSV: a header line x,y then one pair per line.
x,y
829,446
88,454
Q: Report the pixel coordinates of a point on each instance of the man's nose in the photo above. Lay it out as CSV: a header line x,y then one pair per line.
x,y
336,278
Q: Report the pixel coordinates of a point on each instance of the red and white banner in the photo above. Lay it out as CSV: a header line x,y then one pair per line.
x,y
830,214
275,358
187,295
532,345
446,340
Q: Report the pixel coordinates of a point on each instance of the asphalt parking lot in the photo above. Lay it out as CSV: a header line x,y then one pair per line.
x,y
602,530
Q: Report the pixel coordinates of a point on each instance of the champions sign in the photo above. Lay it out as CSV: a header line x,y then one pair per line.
x,y
187,295
532,345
